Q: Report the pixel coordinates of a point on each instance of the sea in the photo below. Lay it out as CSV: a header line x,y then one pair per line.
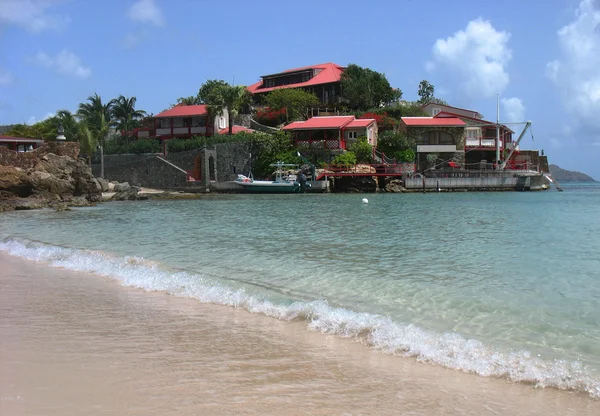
x,y
503,285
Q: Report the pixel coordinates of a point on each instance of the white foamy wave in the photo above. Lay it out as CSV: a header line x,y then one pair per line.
x,y
449,350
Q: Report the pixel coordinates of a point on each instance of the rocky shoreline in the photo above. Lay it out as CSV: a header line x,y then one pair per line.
x,y
54,177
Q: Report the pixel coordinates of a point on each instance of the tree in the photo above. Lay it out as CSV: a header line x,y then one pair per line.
x,y
191,100
209,90
96,116
88,141
125,115
426,92
219,97
363,88
296,103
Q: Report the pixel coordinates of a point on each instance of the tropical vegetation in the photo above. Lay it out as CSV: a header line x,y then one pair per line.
x,y
363,88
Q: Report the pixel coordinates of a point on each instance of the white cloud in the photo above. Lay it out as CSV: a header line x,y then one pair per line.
x,y
513,110
32,15
577,72
475,59
6,77
146,11
65,63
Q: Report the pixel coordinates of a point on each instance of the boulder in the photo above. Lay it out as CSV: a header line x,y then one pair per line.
x,y
111,187
131,194
103,184
15,181
63,175
122,187
355,184
44,183
395,185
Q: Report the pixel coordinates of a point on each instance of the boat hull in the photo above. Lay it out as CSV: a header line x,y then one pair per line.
x,y
266,187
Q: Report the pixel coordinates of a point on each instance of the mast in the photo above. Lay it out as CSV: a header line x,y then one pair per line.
x,y
497,131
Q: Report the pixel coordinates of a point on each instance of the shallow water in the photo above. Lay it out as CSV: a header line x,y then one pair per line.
x,y
502,284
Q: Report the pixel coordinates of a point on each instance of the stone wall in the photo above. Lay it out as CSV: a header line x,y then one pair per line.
x,y
27,160
149,171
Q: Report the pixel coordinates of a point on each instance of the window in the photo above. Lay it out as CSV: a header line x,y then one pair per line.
x,y
435,111
187,122
201,122
352,134
21,148
222,122
473,133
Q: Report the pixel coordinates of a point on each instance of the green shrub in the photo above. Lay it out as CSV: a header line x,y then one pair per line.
x,y
347,158
362,150
139,146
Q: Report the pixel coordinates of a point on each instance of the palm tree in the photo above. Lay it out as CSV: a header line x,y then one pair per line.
x,y
88,141
228,98
125,114
96,116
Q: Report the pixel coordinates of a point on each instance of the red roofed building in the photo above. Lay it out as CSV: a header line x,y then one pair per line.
x,y
332,132
184,121
443,137
323,80
20,144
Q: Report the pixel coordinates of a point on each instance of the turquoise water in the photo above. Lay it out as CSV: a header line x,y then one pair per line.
x,y
499,284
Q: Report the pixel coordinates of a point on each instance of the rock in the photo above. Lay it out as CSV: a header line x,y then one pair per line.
x,y
17,204
44,183
395,185
62,207
130,194
355,184
15,181
122,187
111,187
67,170
103,184
76,201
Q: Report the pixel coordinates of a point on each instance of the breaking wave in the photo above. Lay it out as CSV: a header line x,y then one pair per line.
x,y
449,349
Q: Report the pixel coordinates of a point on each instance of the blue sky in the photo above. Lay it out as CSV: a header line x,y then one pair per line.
x,y
542,57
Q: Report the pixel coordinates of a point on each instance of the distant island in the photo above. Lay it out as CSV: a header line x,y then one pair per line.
x,y
569,175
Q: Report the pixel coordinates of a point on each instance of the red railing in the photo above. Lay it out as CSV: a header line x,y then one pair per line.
x,y
329,144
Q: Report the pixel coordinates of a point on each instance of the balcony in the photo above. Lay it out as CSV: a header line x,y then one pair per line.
x,y
483,142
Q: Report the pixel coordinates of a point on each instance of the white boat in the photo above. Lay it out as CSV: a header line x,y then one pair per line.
x,y
281,184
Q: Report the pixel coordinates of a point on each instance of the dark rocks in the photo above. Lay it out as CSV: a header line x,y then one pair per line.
x,y
355,184
15,181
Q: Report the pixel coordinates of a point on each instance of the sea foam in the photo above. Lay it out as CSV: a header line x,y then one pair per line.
x,y
448,349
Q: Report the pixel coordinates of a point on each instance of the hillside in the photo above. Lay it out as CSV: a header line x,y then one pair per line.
x,y
563,175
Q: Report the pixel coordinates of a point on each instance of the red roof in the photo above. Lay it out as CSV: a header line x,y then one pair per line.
x,y
334,122
432,121
11,139
236,129
457,108
329,73
184,111
445,114
361,122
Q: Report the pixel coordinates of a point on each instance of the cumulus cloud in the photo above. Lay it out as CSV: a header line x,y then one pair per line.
x,y
513,109
32,15
577,72
64,63
146,11
6,77
475,59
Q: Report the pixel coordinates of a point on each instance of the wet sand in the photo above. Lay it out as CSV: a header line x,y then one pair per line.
x,y
78,344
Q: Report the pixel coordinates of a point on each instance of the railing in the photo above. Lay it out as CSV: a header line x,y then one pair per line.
x,y
482,169
329,144
484,141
